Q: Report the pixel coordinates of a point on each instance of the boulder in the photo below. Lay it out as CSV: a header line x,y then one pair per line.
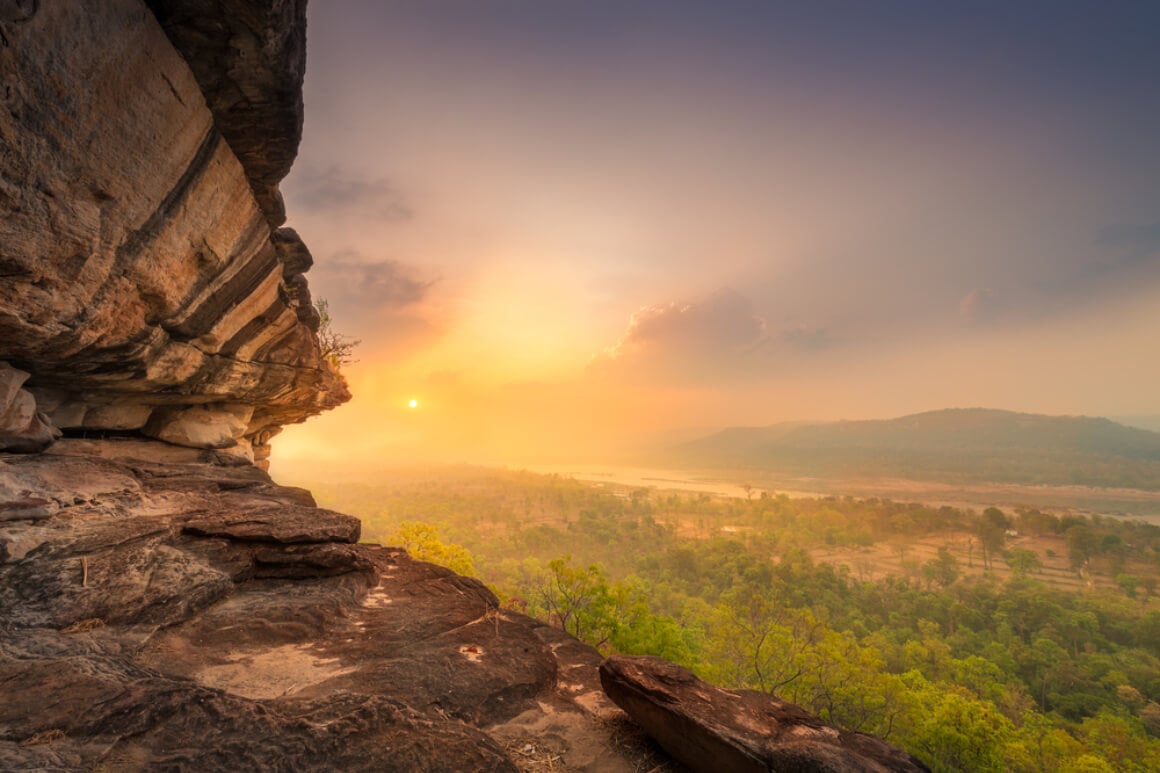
x,y
104,712
121,415
200,426
23,429
711,729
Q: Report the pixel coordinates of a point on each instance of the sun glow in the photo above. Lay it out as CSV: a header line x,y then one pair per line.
x,y
413,404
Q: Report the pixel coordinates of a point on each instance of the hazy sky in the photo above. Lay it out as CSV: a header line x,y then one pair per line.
x,y
555,224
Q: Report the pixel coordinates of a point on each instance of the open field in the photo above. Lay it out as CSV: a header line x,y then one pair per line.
x,y
1077,500
905,558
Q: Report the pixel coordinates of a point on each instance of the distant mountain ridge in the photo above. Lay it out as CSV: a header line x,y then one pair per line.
x,y
1149,422
955,444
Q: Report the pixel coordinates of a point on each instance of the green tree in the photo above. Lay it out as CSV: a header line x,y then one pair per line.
x,y
579,600
1128,583
953,731
757,643
992,532
1122,741
1150,718
1042,746
638,631
422,541
1082,544
1086,763
943,569
1022,561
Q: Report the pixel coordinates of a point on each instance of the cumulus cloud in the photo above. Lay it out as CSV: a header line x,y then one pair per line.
x,y
723,323
719,338
332,190
716,338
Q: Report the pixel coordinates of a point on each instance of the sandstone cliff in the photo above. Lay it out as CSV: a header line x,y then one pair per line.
x,y
164,605
146,286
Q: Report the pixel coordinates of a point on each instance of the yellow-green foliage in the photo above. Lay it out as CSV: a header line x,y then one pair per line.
x,y
422,541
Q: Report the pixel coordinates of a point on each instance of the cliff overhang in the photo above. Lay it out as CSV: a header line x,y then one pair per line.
x,y
146,283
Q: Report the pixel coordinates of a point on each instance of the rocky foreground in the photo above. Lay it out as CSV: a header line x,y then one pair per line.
x,y
162,611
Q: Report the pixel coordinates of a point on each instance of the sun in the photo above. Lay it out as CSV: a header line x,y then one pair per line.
x,y
413,404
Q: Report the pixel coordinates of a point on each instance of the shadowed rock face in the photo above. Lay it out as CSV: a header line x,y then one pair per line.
x,y
249,57
138,269
710,729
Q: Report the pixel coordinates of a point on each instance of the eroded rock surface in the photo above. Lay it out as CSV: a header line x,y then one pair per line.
x,y
166,608
711,729
140,281
249,57
23,429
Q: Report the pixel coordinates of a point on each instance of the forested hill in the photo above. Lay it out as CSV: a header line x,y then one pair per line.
x,y
956,445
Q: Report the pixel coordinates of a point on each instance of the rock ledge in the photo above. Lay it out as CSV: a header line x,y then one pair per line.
x,y
707,728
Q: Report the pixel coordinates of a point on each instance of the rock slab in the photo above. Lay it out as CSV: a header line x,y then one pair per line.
x,y
711,729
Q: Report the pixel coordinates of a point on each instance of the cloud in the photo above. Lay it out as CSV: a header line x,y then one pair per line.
x,y
713,340
379,285
710,339
331,190
720,324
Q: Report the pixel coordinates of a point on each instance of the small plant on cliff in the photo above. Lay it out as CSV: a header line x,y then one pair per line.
x,y
337,349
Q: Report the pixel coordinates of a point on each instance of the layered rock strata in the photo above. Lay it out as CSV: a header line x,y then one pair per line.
x,y
143,285
249,58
